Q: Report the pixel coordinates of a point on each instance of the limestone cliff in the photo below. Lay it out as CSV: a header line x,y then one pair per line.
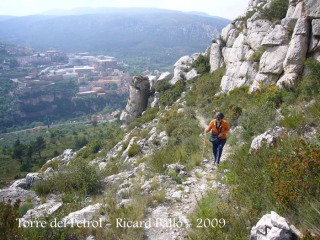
x,y
260,52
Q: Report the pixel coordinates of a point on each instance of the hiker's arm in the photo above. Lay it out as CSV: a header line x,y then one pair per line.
x,y
208,129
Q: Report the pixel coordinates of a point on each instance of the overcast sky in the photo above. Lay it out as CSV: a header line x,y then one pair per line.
x,y
223,8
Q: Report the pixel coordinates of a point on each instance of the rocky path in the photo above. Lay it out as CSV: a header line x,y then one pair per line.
x,y
170,220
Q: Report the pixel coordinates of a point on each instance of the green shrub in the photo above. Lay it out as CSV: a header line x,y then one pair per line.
x,y
24,208
257,120
162,86
168,97
293,175
283,179
175,176
135,212
134,150
160,159
9,229
148,116
276,11
159,196
293,121
217,218
310,84
79,177
256,56
201,64
203,92
95,146
43,188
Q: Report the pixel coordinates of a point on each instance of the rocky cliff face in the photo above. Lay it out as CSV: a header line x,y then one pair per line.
x,y
261,52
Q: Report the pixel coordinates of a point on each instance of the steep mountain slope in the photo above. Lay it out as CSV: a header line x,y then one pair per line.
x,y
142,186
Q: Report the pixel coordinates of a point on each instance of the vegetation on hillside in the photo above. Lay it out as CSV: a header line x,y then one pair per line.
x,y
17,111
7,101
277,10
282,177
30,150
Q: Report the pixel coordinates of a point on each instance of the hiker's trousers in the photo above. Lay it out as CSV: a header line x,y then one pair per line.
x,y
217,148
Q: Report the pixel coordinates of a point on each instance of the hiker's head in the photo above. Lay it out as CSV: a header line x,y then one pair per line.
x,y
219,116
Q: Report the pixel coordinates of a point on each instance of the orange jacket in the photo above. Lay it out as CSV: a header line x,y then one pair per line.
x,y
224,128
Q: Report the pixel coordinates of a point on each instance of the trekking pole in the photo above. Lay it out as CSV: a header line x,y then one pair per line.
x,y
204,143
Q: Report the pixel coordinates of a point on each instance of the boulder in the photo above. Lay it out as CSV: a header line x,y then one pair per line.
x,y
278,221
156,100
49,170
241,70
163,138
192,74
262,79
276,36
257,30
178,73
125,152
66,156
240,41
271,227
235,54
31,179
233,34
21,183
165,76
42,210
125,203
18,193
269,137
113,179
229,83
85,214
272,60
225,32
181,67
287,81
185,60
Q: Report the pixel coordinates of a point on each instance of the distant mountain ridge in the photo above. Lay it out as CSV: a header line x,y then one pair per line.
x,y
151,35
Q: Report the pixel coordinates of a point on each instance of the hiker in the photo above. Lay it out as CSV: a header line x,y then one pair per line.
x,y
218,138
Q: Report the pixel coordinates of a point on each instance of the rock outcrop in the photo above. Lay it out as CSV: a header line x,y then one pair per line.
x,y
258,52
138,98
182,68
273,226
86,214
269,138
